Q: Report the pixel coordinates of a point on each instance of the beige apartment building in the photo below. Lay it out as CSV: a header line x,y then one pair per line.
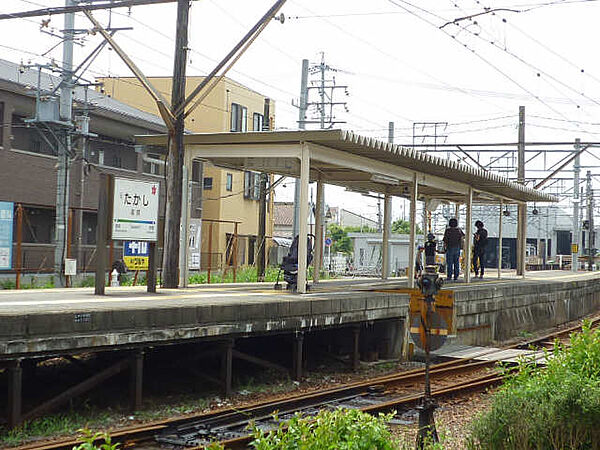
x,y
228,196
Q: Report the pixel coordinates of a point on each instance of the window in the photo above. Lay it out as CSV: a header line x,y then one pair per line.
x,y
239,118
258,121
229,183
208,183
151,167
251,185
197,171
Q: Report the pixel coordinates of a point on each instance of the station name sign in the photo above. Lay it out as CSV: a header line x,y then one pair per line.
x,y
135,210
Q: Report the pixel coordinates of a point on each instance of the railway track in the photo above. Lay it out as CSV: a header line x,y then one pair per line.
x,y
379,394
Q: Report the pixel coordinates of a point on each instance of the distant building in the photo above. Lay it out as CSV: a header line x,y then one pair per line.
x,y
346,218
367,256
283,223
549,234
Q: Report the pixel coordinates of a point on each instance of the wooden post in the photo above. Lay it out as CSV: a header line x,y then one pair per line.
x,y
356,349
151,274
135,277
298,355
102,232
136,380
15,388
18,262
210,234
175,157
227,367
235,251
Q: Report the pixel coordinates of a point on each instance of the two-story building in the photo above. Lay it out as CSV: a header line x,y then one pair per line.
x,y
229,196
28,162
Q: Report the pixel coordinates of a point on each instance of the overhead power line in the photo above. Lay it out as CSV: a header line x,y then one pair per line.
x,y
107,4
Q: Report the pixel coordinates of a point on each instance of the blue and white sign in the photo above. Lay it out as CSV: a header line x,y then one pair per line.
x,y
328,242
136,254
6,234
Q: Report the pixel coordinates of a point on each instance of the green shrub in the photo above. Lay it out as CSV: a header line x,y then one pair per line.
x,y
338,429
90,438
553,408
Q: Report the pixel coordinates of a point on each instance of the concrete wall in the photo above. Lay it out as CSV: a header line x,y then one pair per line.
x,y
489,314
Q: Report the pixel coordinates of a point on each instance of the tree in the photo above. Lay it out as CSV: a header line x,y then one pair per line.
x,y
340,240
403,227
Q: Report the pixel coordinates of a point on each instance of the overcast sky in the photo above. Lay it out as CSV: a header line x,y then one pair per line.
x,y
399,65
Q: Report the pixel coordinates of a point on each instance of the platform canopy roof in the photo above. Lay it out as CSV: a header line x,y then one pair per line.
x,y
359,163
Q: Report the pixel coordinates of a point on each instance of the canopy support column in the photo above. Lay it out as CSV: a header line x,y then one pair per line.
x,y
413,231
303,217
385,245
500,238
521,238
468,238
318,257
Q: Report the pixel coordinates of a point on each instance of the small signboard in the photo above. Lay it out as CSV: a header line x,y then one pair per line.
x,y
194,242
6,234
574,248
70,266
328,242
136,255
135,210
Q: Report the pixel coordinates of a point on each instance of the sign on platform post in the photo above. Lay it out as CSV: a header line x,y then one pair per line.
x,y
194,242
6,234
136,255
135,210
70,267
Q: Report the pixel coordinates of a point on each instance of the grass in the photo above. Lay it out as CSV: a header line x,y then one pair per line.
x,y
558,406
57,424
244,275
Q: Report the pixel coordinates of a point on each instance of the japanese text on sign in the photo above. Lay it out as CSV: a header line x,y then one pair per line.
x,y
135,210
136,255
6,234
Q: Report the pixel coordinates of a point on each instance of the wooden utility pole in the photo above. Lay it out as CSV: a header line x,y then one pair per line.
x,y
176,152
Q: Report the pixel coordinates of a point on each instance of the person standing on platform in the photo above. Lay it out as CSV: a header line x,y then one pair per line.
x,y
419,262
453,242
479,244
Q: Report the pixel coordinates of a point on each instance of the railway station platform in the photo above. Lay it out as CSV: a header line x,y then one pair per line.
x,y
362,313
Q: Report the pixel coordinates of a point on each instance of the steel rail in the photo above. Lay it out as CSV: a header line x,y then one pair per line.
x,y
136,434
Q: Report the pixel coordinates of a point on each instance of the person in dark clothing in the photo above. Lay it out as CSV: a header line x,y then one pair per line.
x,y
479,243
453,242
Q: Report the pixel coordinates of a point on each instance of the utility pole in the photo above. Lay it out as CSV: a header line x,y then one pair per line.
x,y
302,125
175,158
590,212
522,209
62,177
576,220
